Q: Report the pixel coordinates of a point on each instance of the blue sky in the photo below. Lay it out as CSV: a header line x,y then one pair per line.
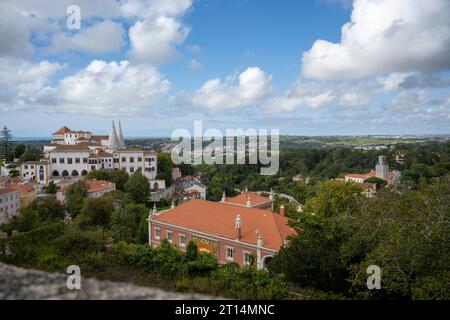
x,y
312,67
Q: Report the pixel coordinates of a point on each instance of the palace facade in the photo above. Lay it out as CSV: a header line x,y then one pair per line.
x,y
72,154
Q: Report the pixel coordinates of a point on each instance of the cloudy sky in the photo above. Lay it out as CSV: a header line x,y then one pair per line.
x,y
310,67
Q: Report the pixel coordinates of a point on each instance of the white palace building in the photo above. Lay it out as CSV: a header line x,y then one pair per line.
x,y
72,154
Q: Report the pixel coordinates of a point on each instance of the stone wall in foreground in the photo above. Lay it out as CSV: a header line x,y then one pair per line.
x,y
20,284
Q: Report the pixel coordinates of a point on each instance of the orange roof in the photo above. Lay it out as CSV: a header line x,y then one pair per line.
x,y
74,147
100,185
218,219
362,176
24,189
6,190
62,130
241,199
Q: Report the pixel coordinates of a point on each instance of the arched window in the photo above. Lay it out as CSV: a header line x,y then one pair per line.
x,y
84,172
155,186
266,260
65,173
74,173
55,173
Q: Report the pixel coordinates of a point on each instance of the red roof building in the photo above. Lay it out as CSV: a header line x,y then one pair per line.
x,y
359,178
250,200
63,130
231,233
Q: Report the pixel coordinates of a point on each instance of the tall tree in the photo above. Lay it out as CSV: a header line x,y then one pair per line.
x,y
31,155
96,212
5,143
76,193
138,187
165,166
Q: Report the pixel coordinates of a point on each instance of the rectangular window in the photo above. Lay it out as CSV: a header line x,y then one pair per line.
x,y
230,253
26,167
53,160
85,160
131,169
69,160
247,258
131,159
182,240
61,160
169,236
124,159
116,160
139,159
157,233
77,160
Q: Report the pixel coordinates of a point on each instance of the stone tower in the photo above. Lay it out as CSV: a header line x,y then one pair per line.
x,y
382,168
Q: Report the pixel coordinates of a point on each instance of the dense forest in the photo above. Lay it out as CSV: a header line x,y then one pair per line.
x,y
421,163
403,230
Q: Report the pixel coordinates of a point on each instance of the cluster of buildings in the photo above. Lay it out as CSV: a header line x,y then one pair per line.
x,y
236,229
381,171
190,188
14,195
72,154
96,189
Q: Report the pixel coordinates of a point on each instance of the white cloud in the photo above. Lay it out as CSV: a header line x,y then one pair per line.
x,y
104,37
253,86
301,94
101,88
112,89
195,65
23,83
14,33
153,41
152,8
385,36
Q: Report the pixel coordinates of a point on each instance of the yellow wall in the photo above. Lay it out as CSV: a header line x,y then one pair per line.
x,y
28,198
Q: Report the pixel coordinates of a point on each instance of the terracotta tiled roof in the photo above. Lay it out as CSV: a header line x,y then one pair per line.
x,y
242,199
218,219
362,176
7,190
76,147
62,130
100,185
24,189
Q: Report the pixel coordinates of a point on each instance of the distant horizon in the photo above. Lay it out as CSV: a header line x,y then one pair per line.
x,y
40,138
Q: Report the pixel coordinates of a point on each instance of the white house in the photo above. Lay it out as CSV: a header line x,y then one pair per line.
x,y
72,154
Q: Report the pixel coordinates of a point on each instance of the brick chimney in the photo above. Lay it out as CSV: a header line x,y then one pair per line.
x,y
237,227
282,211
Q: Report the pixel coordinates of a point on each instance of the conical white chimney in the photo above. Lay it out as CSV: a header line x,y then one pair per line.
x,y
120,136
113,139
